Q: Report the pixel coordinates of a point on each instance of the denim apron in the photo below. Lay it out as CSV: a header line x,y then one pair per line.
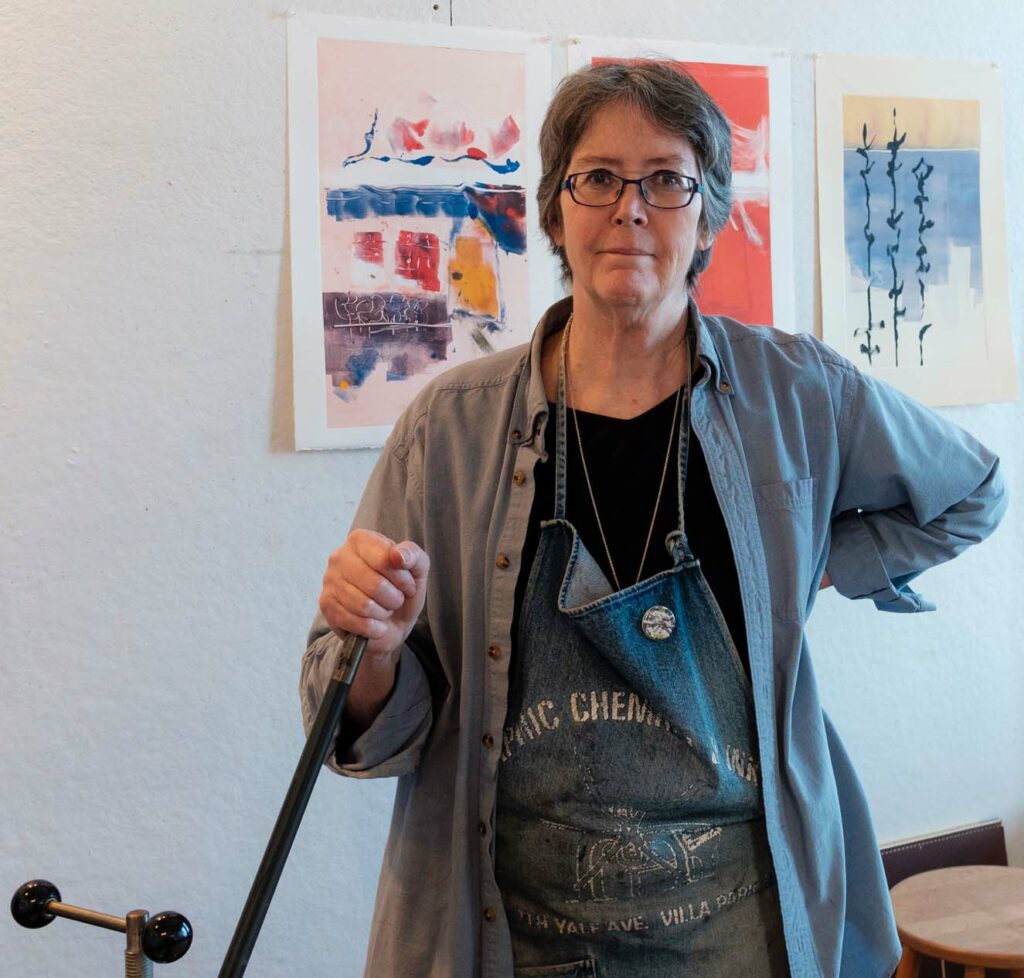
x,y
630,838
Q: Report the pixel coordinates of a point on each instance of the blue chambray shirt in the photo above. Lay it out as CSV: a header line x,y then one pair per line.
x,y
815,465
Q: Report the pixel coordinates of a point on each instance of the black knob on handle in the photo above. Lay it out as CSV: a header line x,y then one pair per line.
x,y
166,937
28,905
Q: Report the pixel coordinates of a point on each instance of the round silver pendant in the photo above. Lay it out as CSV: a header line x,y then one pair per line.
x,y
658,622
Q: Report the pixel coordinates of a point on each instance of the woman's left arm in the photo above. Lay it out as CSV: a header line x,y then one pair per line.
x,y
914,491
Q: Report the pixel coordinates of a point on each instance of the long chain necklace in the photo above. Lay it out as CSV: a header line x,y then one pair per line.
x,y
586,473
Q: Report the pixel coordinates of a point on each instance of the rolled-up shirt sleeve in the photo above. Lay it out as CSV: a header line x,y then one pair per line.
x,y
391,504
914,491
391,745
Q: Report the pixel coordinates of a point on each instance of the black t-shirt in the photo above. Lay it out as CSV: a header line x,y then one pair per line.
x,y
625,460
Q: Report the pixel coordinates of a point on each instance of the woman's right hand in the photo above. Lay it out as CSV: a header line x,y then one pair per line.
x,y
375,587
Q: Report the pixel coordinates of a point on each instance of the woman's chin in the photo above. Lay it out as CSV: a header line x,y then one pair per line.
x,y
625,296
624,288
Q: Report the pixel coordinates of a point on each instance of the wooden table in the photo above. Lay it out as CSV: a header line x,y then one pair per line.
x,y
970,915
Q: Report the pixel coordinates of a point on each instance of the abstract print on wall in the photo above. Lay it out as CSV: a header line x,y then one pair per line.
x,y
412,212
912,225
751,273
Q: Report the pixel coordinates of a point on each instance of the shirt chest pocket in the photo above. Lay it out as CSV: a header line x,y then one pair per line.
x,y
785,513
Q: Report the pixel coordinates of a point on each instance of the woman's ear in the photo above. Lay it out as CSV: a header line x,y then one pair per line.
x,y
555,231
705,239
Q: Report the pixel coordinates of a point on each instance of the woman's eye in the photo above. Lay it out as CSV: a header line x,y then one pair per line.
x,y
669,180
597,178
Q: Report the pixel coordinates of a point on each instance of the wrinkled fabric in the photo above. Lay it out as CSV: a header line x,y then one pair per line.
x,y
814,465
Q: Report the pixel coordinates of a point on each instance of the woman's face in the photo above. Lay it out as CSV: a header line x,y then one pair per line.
x,y
630,256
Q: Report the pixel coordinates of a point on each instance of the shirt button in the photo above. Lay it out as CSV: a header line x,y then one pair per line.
x,y
488,740
494,651
503,562
519,478
482,828
724,387
489,914
516,434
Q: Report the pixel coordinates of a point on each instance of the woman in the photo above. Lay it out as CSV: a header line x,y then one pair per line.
x,y
641,506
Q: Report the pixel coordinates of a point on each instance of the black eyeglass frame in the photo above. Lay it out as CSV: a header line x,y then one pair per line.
x,y
696,187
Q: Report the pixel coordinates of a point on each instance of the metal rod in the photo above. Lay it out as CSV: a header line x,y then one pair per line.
x,y
106,920
136,964
318,745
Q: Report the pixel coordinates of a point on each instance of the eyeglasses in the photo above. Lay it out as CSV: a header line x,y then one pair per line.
x,y
663,188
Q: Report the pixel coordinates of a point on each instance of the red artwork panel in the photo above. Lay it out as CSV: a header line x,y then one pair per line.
x,y
417,257
738,282
368,246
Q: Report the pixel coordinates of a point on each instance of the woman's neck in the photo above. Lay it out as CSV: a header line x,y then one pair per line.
x,y
618,367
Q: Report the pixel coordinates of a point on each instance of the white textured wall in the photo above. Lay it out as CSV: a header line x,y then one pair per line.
x,y
162,545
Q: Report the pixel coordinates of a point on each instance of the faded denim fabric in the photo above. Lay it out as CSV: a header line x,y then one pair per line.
x,y
814,465
630,827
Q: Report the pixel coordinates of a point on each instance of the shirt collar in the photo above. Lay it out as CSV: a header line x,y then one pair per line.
x,y
707,351
530,413
531,407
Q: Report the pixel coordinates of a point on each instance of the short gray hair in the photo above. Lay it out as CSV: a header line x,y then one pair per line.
x,y
670,98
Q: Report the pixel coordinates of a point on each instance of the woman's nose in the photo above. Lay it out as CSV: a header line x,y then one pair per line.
x,y
631,208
